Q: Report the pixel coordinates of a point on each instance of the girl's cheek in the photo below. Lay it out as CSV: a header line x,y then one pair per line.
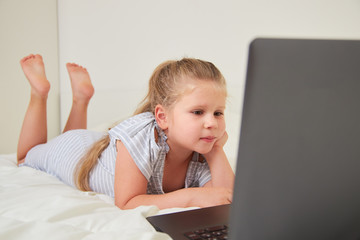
x,y
223,125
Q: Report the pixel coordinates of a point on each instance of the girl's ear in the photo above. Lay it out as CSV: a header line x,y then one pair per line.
x,y
161,117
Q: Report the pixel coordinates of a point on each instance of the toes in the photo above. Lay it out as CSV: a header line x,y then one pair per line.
x,y
38,56
71,66
30,56
26,58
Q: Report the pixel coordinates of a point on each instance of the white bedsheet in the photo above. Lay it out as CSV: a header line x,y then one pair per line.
x,y
35,205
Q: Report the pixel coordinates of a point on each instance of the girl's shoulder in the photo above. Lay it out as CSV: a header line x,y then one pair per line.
x,y
135,124
142,117
137,135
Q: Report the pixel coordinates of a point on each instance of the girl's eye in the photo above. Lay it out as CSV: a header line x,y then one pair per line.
x,y
218,114
197,112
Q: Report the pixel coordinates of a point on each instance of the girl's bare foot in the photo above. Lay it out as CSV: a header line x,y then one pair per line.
x,y
81,85
82,90
34,70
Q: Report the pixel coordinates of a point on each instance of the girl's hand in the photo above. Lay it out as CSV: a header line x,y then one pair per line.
x,y
222,174
222,140
218,145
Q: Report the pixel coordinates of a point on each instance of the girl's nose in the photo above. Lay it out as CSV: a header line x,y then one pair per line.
x,y
210,122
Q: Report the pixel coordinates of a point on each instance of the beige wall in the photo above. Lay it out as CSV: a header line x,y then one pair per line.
x,y
25,27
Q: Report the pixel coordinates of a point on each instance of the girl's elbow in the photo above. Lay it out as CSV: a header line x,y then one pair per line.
x,y
120,205
127,204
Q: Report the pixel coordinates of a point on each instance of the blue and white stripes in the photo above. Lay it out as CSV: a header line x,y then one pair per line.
x,y
59,156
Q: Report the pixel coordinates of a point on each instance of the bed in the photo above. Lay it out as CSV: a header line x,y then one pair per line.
x,y
36,205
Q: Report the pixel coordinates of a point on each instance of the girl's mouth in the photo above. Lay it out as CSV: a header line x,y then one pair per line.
x,y
208,139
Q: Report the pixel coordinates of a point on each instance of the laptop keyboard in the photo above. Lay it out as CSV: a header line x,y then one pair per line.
x,y
209,233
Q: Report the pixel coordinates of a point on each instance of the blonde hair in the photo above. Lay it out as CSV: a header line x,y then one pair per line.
x,y
165,89
166,80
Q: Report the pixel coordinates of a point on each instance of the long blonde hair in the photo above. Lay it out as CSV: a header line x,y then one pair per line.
x,y
164,88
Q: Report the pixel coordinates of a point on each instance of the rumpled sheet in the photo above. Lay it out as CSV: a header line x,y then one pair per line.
x,y
35,205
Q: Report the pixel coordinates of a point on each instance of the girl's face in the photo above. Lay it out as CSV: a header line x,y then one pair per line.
x,y
196,121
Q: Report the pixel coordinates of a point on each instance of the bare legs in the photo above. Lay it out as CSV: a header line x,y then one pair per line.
x,y
34,128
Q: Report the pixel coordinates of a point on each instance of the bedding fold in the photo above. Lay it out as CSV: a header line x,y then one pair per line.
x,y
34,204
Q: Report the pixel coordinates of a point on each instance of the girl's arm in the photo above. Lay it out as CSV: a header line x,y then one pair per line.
x,y
130,189
222,174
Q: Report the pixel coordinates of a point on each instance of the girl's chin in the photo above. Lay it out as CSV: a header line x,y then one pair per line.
x,y
203,150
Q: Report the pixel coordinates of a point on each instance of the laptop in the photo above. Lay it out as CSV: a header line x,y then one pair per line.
x,y
298,165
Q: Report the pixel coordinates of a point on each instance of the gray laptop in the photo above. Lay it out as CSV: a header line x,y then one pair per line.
x,y
298,166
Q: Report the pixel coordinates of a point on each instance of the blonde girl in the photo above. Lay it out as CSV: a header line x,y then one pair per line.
x,y
169,154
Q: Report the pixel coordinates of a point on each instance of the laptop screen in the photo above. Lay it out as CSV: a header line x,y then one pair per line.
x,y
298,169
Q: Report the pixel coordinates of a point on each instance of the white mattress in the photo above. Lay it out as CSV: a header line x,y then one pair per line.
x,y
35,205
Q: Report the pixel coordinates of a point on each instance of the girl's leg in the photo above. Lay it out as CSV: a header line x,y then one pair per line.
x,y
34,128
82,90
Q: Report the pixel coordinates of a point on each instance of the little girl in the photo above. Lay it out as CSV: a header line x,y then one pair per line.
x,y
169,154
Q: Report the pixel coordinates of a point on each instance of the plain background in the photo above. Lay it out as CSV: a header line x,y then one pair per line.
x,y
26,26
121,42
